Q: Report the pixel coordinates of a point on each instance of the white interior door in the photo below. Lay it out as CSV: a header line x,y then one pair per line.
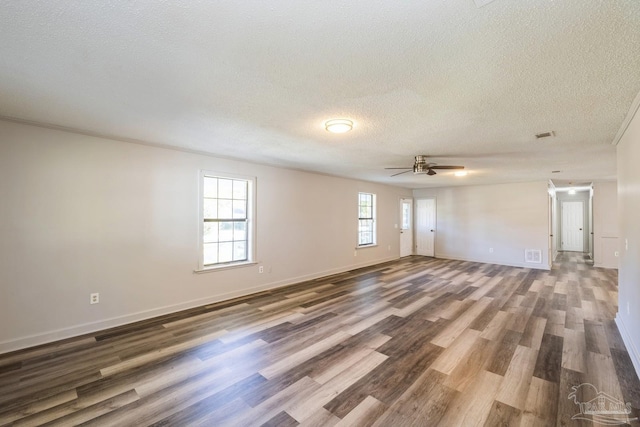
x,y
406,227
572,226
550,230
425,226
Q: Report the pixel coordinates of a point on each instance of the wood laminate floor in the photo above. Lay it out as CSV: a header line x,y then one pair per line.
x,y
415,342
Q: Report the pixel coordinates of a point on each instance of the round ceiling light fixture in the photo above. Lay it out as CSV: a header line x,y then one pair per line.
x,y
338,125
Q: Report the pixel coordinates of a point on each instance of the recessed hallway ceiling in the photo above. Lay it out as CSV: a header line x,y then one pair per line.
x,y
465,84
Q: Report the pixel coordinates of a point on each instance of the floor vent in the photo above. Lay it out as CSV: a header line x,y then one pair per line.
x,y
533,256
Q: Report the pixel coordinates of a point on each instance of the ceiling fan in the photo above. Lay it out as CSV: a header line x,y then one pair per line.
x,y
421,166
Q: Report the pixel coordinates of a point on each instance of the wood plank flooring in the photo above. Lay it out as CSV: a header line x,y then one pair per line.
x,y
414,342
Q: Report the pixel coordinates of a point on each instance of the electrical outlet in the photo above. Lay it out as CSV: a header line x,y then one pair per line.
x,y
616,253
355,253
261,269
94,298
490,250
626,244
389,248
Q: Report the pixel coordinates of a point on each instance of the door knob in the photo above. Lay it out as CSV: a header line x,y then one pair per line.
x,y
581,229
432,231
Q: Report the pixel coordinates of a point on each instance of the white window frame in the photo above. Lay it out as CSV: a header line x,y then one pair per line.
x,y
250,221
374,227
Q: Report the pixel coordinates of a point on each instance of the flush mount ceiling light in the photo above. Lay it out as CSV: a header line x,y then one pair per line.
x,y
572,191
461,173
338,125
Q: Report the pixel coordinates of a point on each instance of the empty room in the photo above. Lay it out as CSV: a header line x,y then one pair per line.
x,y
279,213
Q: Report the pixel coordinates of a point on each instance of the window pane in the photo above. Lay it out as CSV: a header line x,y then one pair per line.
x,y
225,209
406,215
210,187
365,212
240,231
366,238
226,231
210,253
362,240
240,189
225,188
210,232
225,252
239,251
240,209
210,208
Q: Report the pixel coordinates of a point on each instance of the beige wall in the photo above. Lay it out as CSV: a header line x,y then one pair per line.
x,y
605,224
628,319
82,214
507,217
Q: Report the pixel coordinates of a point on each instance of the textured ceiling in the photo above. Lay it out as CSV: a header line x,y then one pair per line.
x,y
468,82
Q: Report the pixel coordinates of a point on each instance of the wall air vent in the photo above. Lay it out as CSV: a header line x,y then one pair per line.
x,y
545,134
533,256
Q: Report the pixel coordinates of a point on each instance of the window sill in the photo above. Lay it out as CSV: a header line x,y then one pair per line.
x,y
375,245
224,267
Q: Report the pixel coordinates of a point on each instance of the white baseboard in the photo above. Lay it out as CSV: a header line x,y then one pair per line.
x,y
597,265
91,327
628,342
495,262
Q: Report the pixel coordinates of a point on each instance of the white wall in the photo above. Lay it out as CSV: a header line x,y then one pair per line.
x,y
628,318
81,214
605,224
507,217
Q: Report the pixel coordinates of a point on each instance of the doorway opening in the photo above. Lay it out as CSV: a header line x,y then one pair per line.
x,y
572,226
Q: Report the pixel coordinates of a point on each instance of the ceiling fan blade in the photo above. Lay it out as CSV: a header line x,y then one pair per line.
x,y
399,173
446,167
401,168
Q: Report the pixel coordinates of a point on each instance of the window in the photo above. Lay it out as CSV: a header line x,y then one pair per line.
x,y
366,219
406,215
226,226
